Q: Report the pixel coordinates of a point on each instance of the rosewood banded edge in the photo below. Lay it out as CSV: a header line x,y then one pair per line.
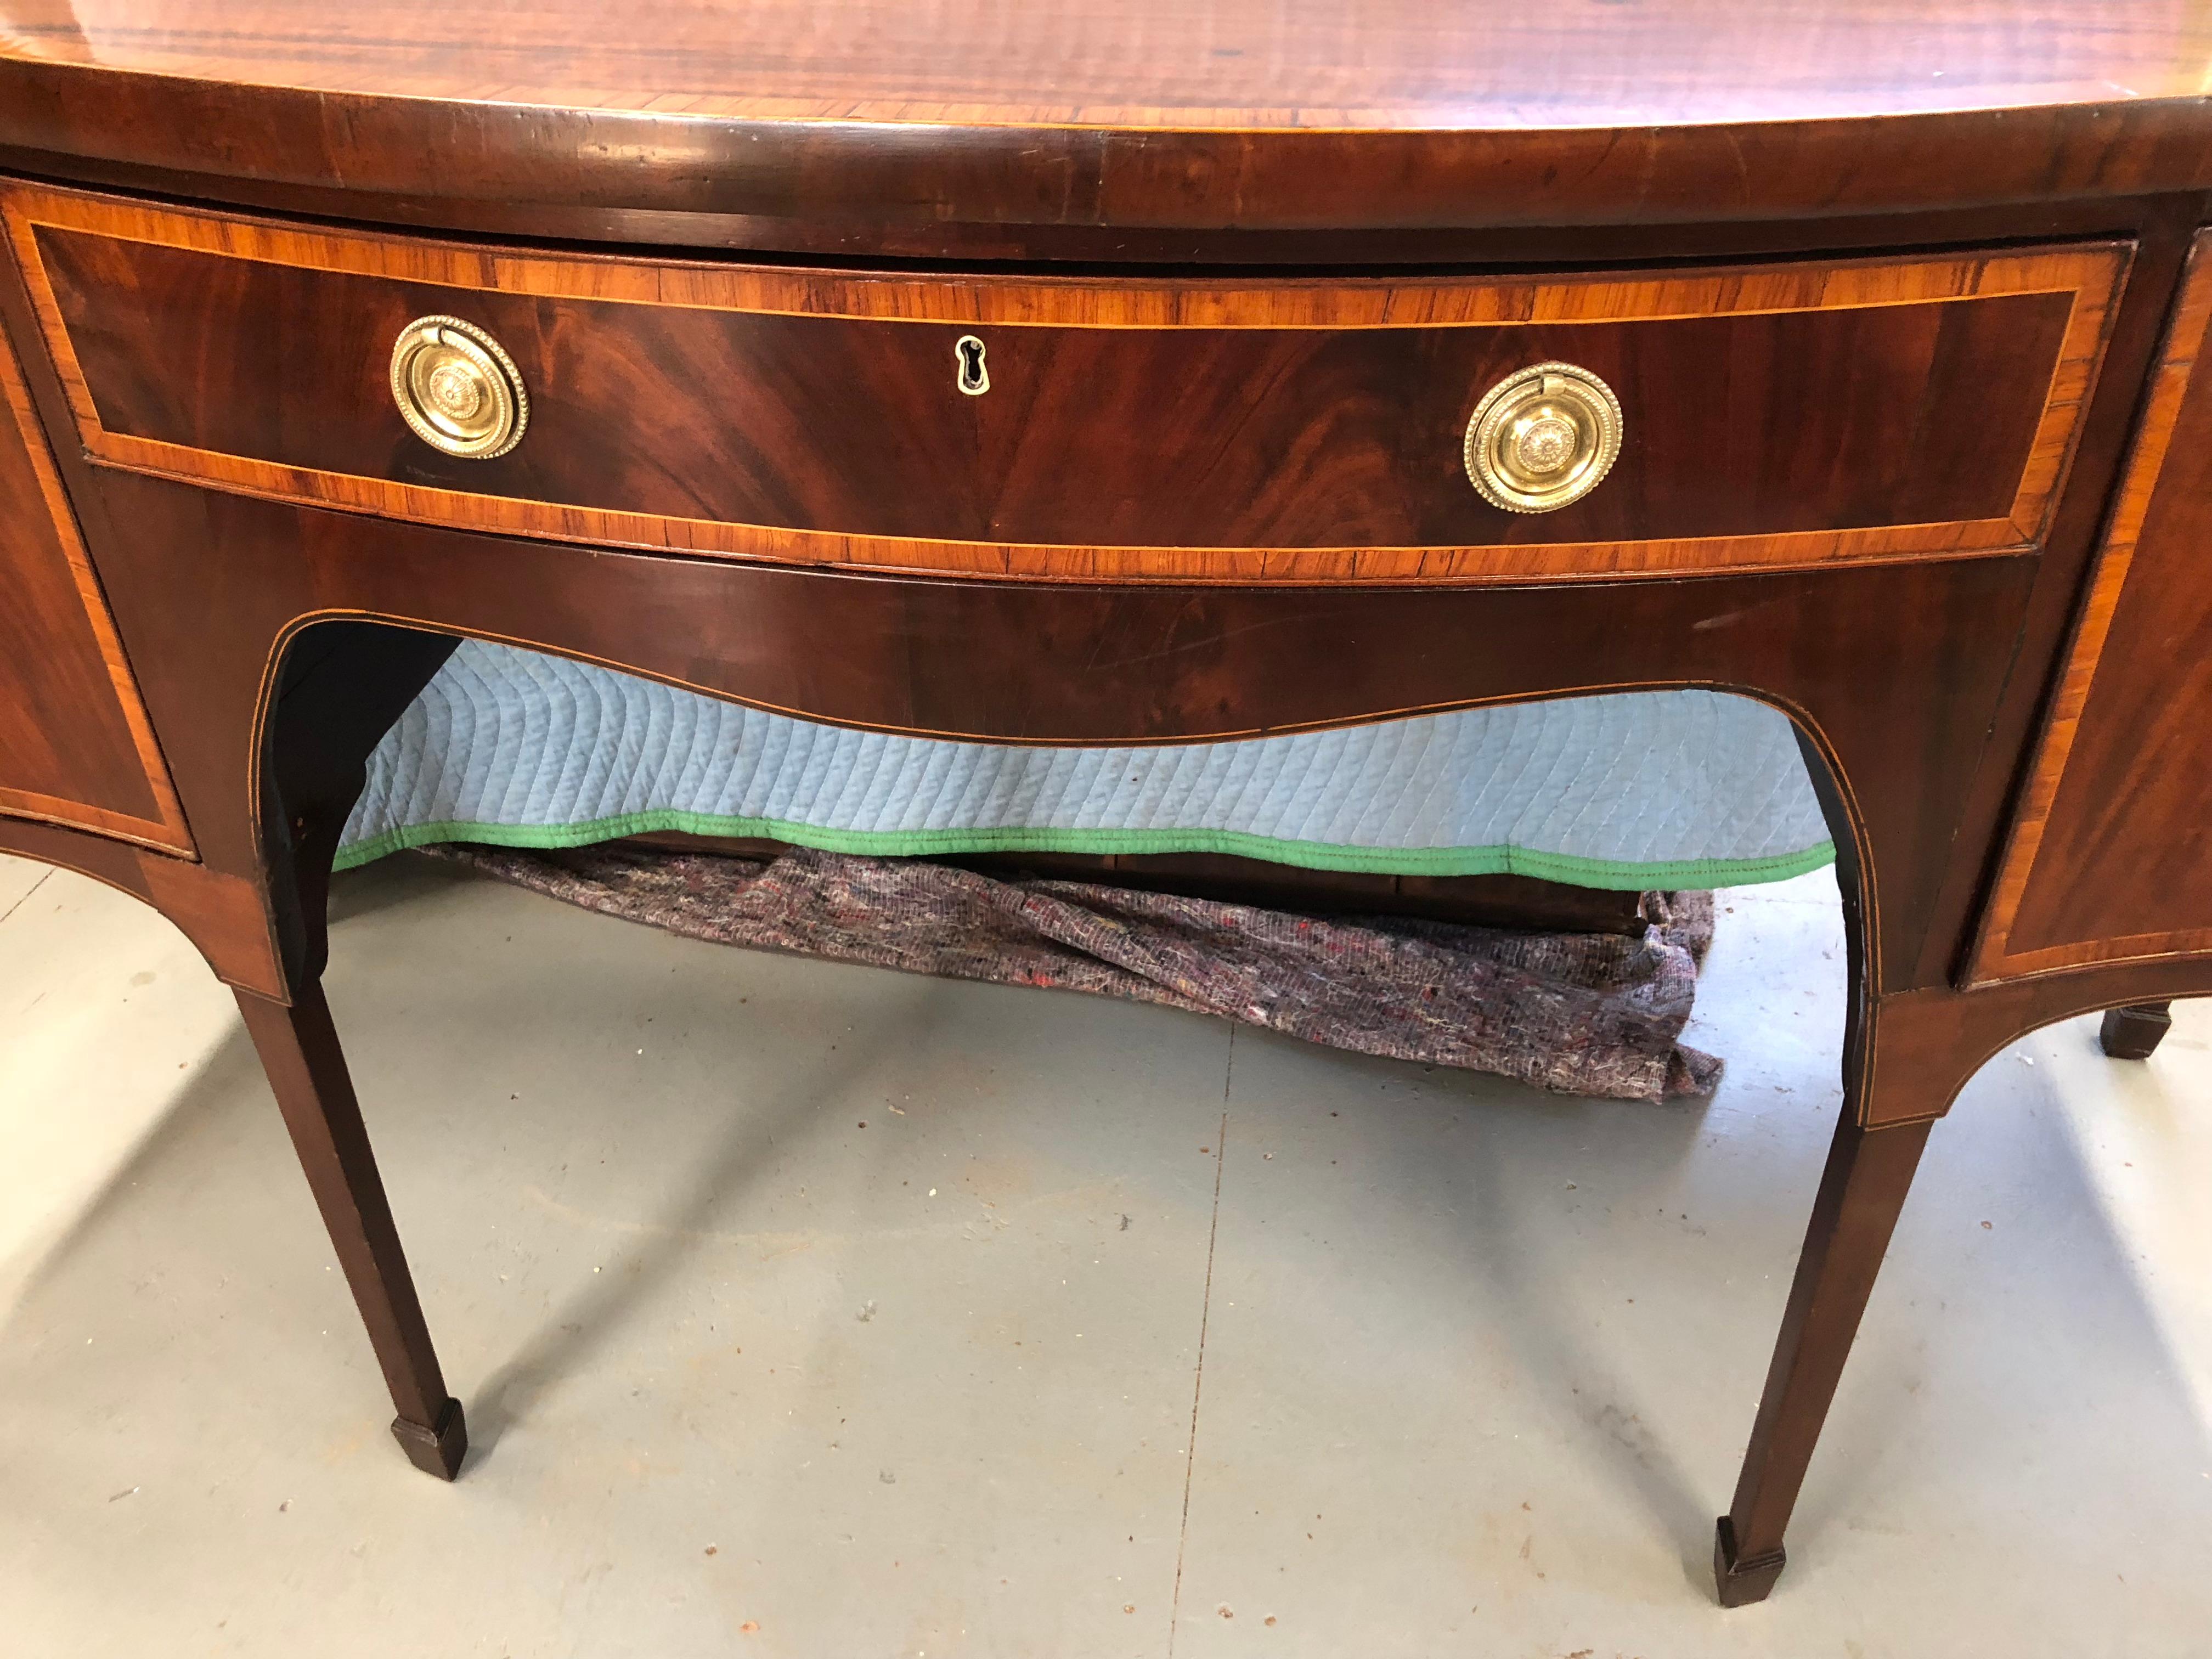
x,y
1780,417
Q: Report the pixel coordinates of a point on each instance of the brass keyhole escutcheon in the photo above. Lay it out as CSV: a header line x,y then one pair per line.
x,y
971,376
1542,438
457,390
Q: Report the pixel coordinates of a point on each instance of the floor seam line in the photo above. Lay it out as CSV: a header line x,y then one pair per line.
x,y
44,876
1205,1315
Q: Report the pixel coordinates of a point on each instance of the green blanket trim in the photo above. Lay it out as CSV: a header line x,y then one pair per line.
x,y
1306,854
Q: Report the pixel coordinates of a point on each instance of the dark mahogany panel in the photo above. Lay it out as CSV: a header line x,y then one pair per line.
x,y
74,746
1892,670
2113,858
1249,437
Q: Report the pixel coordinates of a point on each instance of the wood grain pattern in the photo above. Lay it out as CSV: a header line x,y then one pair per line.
x,y
1152,63
871,114
274,638
2110,858
75,745
1896,667
1778,416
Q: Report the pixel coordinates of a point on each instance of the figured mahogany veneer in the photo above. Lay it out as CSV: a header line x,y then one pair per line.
x,y
1920,337
75,745
2123,780
1779,416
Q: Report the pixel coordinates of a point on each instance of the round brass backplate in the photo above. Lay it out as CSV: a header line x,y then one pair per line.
x,y
457,389
1542,438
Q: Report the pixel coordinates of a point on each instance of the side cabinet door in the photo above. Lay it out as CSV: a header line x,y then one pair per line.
x,y
2111,856
76,748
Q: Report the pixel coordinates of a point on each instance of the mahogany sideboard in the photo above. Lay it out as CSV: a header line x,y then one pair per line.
x,y
1108,371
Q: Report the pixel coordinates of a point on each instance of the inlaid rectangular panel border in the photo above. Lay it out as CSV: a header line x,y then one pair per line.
x,y
2091,274
1994,957
167,832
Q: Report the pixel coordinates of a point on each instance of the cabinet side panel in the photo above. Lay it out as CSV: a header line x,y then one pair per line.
x,y
75,745
2110,860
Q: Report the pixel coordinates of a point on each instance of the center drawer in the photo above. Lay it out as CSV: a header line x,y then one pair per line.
x,y
1785,415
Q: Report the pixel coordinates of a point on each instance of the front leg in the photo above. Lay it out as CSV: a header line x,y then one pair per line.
x,y
299,1051
1863,1188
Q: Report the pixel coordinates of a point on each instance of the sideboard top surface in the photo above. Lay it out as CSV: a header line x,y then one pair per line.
x,y
1243,113
1171,64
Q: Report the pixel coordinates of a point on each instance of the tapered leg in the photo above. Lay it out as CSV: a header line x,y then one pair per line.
x,y
2133,1032
1869,1173
299,1051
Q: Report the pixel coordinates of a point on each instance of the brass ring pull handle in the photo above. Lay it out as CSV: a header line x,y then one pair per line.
x,y
1542,438
457,389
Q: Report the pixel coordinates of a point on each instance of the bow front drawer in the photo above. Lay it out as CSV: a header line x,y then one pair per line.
x,y
1343,428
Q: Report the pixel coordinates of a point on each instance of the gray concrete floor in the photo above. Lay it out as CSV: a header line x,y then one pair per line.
x,y
1113,1332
